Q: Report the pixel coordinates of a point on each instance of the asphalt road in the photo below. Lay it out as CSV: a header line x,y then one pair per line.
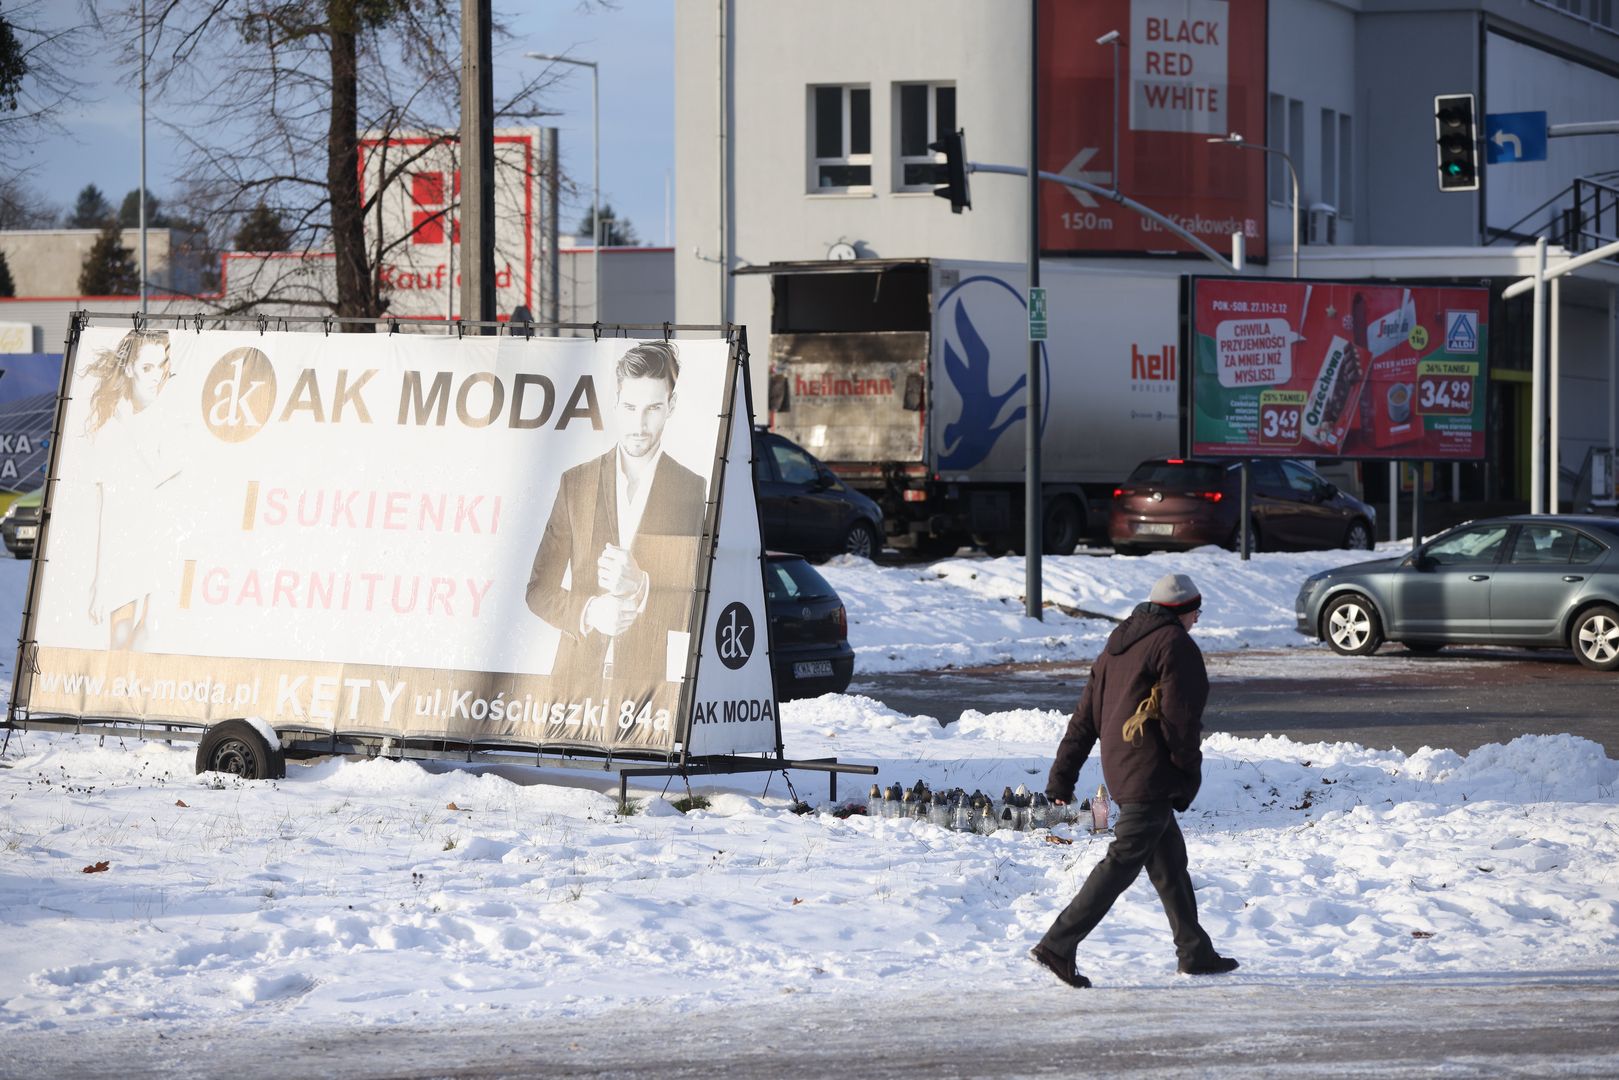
x,y
1241,1026
1460,699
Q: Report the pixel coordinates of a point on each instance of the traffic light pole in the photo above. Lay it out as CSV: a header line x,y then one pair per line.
x,y
1033,503
1112,196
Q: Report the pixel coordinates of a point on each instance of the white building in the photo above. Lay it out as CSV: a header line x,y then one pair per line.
x,y
802,132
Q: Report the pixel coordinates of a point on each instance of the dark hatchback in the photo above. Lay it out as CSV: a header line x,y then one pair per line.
x,y
20,527
809,630
1545,581
803,507
1180,503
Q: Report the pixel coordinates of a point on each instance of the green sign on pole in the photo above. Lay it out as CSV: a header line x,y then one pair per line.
x,y
1037,314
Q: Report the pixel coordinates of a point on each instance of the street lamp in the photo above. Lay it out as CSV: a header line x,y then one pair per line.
x,y
595,171
1235,139
1112,38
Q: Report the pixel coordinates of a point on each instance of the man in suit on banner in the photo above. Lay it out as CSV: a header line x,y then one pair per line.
x,y
623,533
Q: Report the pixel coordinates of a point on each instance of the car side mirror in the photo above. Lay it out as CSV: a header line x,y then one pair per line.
x,y
825,479
1418,561
1329,491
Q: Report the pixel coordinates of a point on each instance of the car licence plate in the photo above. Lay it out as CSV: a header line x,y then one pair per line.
x,y
812,669
27,532
1154,528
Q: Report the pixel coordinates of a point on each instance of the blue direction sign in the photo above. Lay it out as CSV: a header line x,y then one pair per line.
x,y
1511,137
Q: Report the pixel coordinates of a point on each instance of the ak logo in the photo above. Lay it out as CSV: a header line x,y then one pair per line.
x,y
734,636
238,395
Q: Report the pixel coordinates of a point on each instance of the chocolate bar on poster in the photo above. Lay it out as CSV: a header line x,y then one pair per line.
x,y
1335,397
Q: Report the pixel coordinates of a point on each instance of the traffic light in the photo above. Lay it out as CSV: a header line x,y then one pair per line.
x,y
954,148
1456,136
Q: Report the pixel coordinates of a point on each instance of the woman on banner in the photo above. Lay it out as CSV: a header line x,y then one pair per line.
x,y
133,465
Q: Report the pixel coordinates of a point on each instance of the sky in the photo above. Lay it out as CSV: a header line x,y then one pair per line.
x,y
145,909
632,43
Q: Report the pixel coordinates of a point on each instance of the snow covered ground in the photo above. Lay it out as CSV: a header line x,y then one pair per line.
x,y
133,892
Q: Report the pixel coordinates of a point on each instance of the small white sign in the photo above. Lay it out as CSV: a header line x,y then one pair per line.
x,y
16,337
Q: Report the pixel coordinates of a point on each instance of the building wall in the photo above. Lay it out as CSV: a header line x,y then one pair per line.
x,y
47,262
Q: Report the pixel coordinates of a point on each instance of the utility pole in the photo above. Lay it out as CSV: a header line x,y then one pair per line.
x,y
1033,508
477,164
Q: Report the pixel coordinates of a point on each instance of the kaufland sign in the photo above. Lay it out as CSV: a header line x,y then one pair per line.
x,y
419,220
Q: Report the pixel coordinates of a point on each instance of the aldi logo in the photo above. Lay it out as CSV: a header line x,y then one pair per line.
x,y
1461,331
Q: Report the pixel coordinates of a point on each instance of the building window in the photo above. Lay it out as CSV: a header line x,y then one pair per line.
x,y
841,123
1276,183
1328,188
1346,174
927,111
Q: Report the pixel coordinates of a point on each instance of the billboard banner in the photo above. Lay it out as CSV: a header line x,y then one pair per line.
x,y
1187,70
1320,369
487,539
29,383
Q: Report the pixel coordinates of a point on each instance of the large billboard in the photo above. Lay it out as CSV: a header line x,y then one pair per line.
x,y
492,540
1188,70
1321,369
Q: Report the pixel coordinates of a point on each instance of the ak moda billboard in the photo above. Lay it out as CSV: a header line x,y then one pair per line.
x,y
488,539
1187,70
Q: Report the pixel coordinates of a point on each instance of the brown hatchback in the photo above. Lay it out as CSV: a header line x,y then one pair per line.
x,y
1180,503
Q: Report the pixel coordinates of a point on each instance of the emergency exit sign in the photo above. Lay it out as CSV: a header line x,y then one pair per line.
x,y
1037,314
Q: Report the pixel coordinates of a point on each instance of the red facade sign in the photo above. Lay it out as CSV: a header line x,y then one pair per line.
x,y
1188,70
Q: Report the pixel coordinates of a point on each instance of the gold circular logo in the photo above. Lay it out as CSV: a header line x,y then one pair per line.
x,y
239,395
1418,337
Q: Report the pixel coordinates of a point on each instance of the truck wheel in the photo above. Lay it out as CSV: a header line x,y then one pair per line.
x,y
236,747
1064,524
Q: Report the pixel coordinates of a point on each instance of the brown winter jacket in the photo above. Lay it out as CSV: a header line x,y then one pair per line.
x,y
1149,647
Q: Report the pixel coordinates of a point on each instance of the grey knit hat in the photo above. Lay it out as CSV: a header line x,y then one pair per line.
x,y
1176,593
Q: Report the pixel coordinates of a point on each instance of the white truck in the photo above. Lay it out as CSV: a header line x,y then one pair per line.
x,y
907,377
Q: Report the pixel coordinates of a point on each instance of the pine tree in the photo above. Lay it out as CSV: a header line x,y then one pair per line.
x,y
129,212
262,231
616,232
7,286
109,269
91,210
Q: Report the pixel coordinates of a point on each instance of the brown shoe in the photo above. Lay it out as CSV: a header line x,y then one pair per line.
x,y
1063,969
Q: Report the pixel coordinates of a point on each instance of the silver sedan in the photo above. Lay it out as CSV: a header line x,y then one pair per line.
x,y
1539,581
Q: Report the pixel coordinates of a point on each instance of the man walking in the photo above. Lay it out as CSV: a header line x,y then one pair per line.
x,y
1153,767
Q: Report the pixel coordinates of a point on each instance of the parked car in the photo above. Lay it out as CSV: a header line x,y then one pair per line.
x,y
809,630
1542,581
805,508
1180,503
20,526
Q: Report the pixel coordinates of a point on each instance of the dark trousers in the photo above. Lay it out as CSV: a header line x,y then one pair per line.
x,y
1145,835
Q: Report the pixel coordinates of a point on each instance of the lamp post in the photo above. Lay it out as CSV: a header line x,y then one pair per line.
x,y
1235,139
1112,38
595,171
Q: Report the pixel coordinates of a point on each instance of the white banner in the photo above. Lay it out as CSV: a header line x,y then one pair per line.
x,y
489,538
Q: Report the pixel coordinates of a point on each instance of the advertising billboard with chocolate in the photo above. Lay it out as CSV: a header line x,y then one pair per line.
x,y
1320,369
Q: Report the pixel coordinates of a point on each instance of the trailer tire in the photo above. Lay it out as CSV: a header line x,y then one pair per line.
x,y
1064,526
237,747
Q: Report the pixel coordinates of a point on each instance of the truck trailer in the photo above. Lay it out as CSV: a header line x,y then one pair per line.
x,y
908,377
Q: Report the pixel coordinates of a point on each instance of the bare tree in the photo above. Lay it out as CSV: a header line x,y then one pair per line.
x,y
273,96
37,62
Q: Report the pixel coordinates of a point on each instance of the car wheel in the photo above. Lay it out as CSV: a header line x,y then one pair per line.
x,y
237,747
1359,537
1351,626
861,540
1235,543
1595,638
